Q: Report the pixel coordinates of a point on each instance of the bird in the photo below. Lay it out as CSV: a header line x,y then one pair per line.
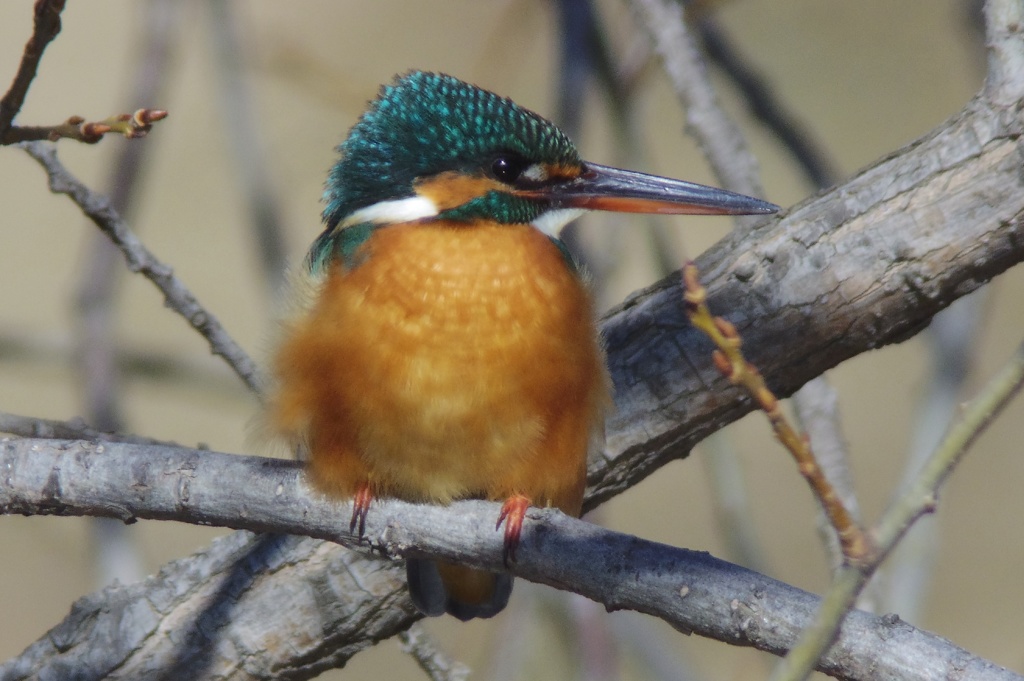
x,y
446,346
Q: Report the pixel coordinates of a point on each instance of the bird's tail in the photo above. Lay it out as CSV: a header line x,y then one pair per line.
x,y
463,592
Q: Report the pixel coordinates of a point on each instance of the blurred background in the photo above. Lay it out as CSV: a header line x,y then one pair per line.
x,y
260,92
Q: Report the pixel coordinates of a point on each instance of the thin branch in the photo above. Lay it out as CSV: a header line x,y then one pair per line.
x,y
909,505
194,370
246,143
132,126
951,338
75,429
719,138
45,28
690,590
765,105
861,557
431,659
729,360
98,209
816,405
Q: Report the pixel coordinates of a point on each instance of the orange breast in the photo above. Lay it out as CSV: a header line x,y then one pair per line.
x,y
452,362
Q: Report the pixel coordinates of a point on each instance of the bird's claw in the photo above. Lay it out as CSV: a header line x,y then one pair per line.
x,y
513,512
360,507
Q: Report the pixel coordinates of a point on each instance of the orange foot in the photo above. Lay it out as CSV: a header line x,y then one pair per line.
x,y
360,506
513,511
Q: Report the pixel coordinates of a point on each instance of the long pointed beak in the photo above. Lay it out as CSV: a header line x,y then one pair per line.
x,y
626,191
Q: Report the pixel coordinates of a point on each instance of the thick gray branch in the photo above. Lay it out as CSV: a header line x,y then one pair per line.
x,y
248,607
186,622
858,267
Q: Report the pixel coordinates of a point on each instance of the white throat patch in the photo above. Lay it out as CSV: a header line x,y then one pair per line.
x,y
552,221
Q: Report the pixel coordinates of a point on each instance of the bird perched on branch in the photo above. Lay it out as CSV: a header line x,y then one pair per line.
x,y
449,347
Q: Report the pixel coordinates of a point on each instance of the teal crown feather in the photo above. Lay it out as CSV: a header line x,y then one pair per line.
x,y
426,123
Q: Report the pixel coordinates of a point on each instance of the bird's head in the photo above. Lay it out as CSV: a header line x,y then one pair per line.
x,y
432,147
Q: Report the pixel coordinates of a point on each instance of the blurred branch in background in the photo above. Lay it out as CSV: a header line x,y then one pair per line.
x,y
95,311
136,364
717,135
75,429
951,340
903,586
736,169
434,662
590,641
242,130
764,103
98,208
908,504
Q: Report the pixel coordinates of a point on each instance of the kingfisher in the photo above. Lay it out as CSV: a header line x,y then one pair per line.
x,y
446,345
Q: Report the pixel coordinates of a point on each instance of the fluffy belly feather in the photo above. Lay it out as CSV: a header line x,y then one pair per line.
x,y
451,362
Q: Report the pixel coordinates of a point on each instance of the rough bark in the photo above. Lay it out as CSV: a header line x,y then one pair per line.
x,y
859,266
279,606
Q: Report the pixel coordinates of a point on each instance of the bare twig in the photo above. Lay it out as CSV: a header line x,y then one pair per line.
x,y
730,361
246,143
691,590
431,659
132,126
96,353
950,338
45,29
115,553
816,405
75,429
98,209
719,138
907,506
765,105
137,363
862,556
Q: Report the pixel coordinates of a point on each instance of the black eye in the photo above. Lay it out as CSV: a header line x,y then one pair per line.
x,y
508,167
